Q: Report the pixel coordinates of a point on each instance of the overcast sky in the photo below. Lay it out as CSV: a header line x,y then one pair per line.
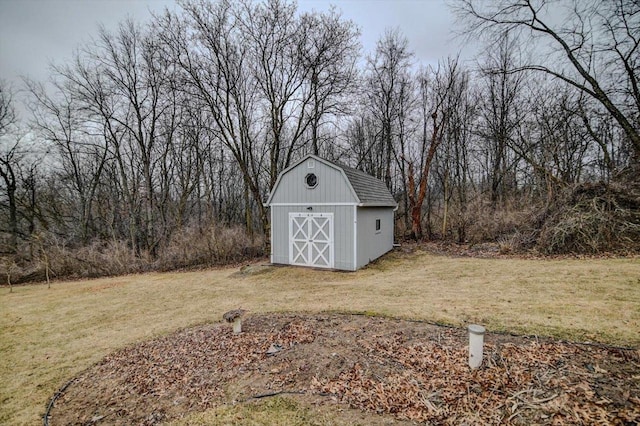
x,y
34,33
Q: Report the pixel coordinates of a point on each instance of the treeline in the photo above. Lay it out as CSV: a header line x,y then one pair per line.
x,y
156,146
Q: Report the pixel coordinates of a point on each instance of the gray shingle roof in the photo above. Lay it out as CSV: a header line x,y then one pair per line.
x,y
370,190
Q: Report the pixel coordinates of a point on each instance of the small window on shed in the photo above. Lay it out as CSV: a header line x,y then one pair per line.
x,y
311,180
310,164
378,225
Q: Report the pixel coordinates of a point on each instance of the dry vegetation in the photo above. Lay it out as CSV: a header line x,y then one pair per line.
x,y
51,335
587,218
191,247
592,218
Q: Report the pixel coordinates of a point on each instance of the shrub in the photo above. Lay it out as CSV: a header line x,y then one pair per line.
x,y
208,246
189,247
508,224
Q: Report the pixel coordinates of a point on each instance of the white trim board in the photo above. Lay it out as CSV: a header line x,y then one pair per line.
x,y
355,237
271,236
313,204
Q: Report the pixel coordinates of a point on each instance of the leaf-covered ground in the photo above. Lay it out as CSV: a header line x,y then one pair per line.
x,y
408,371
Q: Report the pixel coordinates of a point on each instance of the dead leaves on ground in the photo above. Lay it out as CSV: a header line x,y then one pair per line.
x,y
528,383
409,370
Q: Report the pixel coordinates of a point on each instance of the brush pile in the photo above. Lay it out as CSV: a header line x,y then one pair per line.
x,y
592,218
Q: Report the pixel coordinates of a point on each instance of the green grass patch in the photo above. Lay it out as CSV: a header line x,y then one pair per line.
x,y
277,411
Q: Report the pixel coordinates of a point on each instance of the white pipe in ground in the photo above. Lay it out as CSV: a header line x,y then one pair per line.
x,y
476,343
237,325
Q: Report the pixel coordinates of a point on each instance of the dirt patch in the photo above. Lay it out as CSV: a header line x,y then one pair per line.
x,y
389,369
252,269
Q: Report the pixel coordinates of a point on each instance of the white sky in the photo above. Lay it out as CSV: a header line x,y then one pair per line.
x,y
34,33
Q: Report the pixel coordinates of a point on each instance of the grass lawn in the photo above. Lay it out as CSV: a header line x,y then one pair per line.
x,y
49,335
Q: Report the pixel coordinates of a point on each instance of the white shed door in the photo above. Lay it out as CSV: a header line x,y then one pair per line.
x,y
311,239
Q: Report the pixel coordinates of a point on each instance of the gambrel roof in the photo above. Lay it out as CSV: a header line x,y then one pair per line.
x,y
368,190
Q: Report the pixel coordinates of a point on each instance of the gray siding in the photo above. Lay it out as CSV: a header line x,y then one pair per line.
x,y
342,230
371,243
332,186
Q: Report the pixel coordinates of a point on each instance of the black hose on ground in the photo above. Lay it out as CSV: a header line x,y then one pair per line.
x,y
47,413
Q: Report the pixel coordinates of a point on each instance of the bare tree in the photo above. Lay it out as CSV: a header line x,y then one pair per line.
x,y
595,48
435,90
265,76
59,120
327,50
501,115
270,31
7,109
388,90
133,67
602,129
213,53
9,158
454,160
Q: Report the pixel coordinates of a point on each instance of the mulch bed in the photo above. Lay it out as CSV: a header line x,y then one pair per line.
x,y
411,371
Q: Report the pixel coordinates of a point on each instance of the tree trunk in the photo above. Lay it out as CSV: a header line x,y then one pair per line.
x,y
416,200
9,178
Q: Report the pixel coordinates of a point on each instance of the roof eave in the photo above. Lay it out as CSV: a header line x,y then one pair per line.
x,y
394,205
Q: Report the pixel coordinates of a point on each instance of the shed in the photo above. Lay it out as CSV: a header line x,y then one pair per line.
x,y
327,215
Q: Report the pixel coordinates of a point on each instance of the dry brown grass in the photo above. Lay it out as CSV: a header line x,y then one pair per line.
x,y
49,335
